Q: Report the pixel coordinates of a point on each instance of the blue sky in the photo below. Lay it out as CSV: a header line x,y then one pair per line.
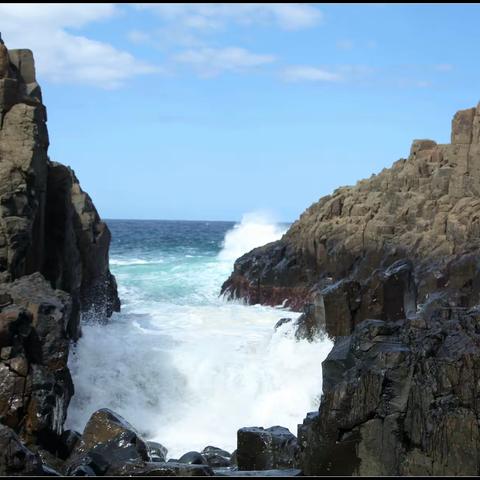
x,y
182,111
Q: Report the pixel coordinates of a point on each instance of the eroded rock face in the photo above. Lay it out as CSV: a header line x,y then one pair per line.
x,y
47,223
53,266
423,211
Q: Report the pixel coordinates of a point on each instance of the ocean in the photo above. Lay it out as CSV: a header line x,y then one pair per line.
x,y
184,366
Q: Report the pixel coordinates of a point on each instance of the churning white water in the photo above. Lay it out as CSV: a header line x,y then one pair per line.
x,y
186,367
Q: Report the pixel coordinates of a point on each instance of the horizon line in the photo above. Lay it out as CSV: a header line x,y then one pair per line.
x,y
178,220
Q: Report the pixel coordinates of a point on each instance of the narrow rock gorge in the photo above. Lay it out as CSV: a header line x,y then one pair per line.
x,y
389,269
53,267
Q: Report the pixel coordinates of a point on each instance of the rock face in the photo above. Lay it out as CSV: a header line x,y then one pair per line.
x,y
389,268
35,383
47,223
422,210
400,398
53,267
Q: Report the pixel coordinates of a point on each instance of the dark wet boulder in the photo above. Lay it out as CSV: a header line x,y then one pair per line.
x,y
193,458
266,449
160,469
17,459
157,452
216,457
108,442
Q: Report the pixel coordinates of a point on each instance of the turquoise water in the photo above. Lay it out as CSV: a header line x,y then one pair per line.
x,y
180,363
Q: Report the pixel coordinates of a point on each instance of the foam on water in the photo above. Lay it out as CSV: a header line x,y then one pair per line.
x,y
184,366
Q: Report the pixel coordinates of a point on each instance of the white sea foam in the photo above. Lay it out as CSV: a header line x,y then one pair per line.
x,y
188,368
255,229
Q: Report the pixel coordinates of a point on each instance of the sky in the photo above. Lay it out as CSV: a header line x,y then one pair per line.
x,y
210,111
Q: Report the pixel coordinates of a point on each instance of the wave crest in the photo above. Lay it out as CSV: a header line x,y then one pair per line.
x,y
255,230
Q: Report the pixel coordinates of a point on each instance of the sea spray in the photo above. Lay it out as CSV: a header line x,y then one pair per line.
x,y
184,366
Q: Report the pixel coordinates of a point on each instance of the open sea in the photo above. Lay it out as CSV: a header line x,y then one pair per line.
x,y
185,367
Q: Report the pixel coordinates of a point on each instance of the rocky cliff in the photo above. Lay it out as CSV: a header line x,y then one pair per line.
x,y
53,267
342,249
389,268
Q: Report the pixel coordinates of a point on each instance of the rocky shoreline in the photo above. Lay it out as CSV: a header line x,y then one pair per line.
x,y
388,268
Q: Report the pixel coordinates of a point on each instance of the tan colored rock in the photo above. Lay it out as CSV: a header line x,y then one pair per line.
x,y
424,208
4,61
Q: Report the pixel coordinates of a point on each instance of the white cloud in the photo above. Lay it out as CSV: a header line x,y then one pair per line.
x,y
209,62
61,56
212,16
310,74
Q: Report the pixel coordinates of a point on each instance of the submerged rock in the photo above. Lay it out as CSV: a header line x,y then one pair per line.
x,y
266,449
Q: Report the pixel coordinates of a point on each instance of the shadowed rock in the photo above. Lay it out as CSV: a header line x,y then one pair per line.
x,y
266,449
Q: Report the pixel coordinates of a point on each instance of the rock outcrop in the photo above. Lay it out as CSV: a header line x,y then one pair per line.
x,y
53,267
388,268
47,223
342,250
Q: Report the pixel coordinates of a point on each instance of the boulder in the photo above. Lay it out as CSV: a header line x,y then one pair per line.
x,y
266,449
193,458
157,452
216,457
107,443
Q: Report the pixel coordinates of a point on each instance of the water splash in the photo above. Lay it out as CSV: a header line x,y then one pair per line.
x,y
186,367
254,230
